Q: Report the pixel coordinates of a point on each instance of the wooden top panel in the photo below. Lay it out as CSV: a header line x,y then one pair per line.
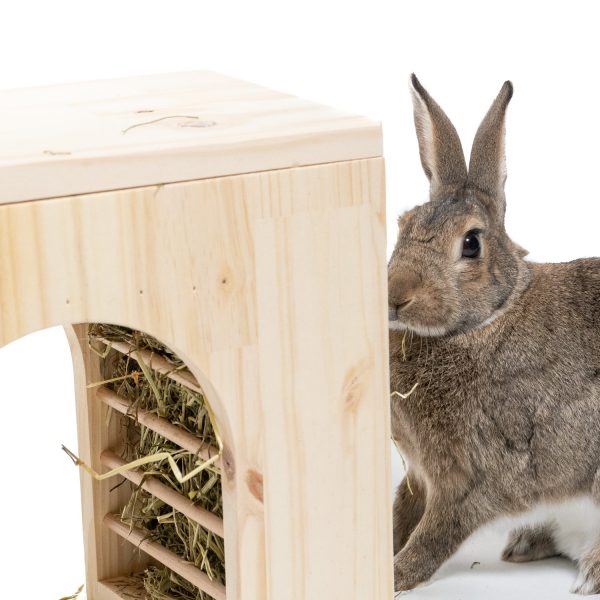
x,y
106,135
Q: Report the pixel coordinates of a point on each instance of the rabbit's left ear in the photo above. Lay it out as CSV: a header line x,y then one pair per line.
x,y
487,166
439,145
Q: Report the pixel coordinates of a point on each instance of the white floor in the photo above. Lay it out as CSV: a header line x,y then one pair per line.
x,y
476,573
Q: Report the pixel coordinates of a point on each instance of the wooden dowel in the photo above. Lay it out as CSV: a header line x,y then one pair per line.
x,y
156,362
166,494
183,568
175,434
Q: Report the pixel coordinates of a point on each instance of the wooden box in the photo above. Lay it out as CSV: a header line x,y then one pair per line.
x,y
245,229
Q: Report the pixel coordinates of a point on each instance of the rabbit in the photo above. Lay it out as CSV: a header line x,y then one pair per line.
x,y
496,361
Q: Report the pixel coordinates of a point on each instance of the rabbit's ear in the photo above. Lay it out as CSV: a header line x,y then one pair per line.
x,y
487,166
440,149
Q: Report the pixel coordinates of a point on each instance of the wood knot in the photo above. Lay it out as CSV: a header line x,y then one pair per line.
x,y
355,382
228,464
254,481
226,281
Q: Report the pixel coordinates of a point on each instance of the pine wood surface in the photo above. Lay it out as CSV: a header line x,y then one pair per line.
x,y
272,287
123,133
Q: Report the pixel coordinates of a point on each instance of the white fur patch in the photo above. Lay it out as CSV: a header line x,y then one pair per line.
x,y
423,330
583,584
489,320
575,523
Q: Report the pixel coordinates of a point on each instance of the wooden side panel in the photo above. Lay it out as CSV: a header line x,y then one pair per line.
x,y
272,287
323,378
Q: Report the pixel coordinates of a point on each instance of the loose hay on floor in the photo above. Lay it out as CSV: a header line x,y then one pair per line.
x,y
149,390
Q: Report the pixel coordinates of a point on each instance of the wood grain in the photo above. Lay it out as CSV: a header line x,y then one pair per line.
x,y
272,288
116,134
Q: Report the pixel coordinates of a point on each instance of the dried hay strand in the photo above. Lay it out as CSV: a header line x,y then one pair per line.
x,y
149,390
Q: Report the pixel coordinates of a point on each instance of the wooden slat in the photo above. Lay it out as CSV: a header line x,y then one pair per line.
x,y
166,494
175,434
183,568
157,363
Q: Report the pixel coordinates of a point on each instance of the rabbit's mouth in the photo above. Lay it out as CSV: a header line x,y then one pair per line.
x,y
426,311
395,311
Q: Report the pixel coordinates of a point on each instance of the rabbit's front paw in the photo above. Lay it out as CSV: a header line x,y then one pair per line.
x,y
588,577
530,543
406,576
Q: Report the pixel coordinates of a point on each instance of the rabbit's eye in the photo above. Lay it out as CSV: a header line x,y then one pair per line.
x,y
471,245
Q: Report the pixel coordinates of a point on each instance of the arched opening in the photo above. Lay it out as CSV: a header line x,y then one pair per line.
x,y
40,503
155,529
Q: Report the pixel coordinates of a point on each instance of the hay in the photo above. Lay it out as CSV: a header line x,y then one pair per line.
x,y
152,391
75,595
396,442
162,584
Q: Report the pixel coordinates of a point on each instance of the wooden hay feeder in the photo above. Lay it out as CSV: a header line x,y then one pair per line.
x,y
245,230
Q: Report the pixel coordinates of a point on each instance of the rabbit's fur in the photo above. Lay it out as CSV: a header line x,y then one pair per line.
x,y
506,355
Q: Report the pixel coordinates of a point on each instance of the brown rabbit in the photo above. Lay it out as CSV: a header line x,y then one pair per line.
x,y
505,353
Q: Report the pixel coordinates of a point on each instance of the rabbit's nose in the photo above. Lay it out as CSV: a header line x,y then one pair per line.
x,y
401,289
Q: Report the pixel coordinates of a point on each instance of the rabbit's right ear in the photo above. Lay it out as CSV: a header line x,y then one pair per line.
x,y
440,149
487,166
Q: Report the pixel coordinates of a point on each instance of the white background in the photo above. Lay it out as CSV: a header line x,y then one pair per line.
x,y
354,55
